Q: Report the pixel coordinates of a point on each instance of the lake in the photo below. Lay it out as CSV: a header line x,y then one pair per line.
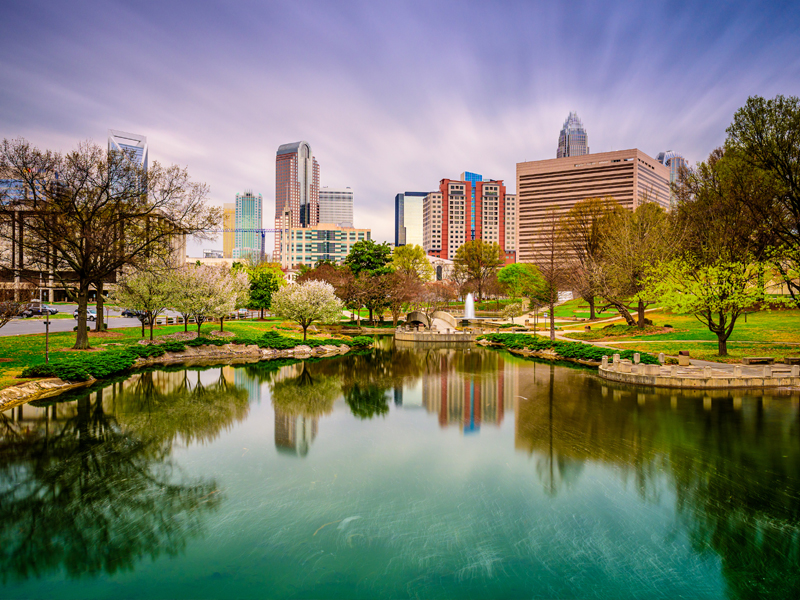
x,y
399,472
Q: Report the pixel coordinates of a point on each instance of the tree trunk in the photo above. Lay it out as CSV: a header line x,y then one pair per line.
x,y
199,324
82,339
142,322
371,318
640,314
552,317
262,313
152,325
623,311
305,330
221,324
722,344
98,324
185,322
592,316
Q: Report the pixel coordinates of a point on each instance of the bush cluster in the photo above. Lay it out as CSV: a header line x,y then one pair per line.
x,y
574,350
102,364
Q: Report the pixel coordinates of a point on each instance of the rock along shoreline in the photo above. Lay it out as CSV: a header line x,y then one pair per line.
x,y
13,396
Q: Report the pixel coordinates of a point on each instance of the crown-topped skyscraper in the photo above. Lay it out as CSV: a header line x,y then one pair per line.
x,y
573,140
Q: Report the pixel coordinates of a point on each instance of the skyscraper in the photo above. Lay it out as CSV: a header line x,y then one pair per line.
x,y
248,240
673,161
465,210
229,228
336,206
408,229
135,146
572,141
296,187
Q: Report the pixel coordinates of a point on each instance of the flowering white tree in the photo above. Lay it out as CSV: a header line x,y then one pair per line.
x,y
150,290
204,291
307,302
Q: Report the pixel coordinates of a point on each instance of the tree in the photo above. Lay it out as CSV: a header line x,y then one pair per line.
x,y
209,291
265,280
548,258
632,243
305,303
765,134
10,308
521,280
512,311
401,289
368,257
412,260
89,213
719,268
479,261
582,230
434,296
149,289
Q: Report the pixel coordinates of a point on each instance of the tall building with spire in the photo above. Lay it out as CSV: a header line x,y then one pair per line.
x,y
296,188
572,141
132,144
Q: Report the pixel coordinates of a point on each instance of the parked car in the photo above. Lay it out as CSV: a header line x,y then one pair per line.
x,y
130,313
91,314
38,311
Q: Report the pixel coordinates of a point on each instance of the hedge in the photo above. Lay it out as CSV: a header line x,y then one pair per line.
x,y
574,350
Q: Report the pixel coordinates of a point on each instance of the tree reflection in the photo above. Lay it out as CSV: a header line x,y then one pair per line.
x,y
302,392
178,405
91,498
732,460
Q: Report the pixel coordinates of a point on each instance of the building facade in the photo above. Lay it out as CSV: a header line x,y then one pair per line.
x,y
463,211
674,162
336,206
408,219
552,187
228,228
132,144
296,187
309,245
572,141
248,236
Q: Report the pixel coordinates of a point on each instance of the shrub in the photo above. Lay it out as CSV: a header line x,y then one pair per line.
x,y
573,350
174,346
39,371
71,371
361,341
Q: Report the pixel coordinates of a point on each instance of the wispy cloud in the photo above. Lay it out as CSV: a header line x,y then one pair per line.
x,y
391,96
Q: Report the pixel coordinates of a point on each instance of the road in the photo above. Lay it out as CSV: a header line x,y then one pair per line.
x,y
20,326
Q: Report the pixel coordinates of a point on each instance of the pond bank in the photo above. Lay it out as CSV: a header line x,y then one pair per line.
x,y
228,354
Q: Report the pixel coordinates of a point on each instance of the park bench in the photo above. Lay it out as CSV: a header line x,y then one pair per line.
x,y
791,360
758,360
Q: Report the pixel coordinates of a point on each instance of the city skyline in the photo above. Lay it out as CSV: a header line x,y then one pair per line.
x,y
649,77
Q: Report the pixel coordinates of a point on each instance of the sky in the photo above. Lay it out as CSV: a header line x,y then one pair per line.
x,y
392,96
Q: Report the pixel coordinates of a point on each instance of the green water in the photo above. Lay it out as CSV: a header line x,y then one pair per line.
x,y
408,472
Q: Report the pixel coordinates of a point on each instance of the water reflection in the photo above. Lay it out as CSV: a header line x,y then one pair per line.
x,y
90,486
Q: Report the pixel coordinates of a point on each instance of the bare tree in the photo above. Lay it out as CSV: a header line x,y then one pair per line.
x,y
549,258
83,216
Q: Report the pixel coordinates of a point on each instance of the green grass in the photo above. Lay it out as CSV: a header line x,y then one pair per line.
x,y
27,350
579,309
708,351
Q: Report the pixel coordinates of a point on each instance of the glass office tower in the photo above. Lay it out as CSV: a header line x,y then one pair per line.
x,y
132,144
408,218
248,237
572,141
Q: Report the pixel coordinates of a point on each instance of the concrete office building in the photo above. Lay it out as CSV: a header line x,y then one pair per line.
x,y
296,187
673,161
336,206
554,186
132,144
572,141
228,229
309,245
451,217
408,221
248,239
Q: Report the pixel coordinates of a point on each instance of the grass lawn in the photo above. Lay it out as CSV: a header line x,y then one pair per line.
x,y
579,309
765,326
708,351
18,352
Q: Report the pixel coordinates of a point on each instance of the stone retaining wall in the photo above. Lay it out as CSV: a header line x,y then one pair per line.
x,y
434,337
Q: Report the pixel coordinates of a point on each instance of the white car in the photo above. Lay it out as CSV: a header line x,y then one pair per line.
x,y
91,314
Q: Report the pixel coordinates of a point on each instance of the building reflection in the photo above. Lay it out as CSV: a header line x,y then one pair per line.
x,y
468,389
294,434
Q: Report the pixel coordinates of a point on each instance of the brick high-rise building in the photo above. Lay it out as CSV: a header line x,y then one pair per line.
x,y
296,187
469,209
552,186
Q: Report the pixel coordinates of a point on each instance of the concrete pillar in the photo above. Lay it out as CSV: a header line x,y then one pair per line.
x,y
767,371
604,362
796,371
737,372
661,358
673,370
636,358
707,372
616,359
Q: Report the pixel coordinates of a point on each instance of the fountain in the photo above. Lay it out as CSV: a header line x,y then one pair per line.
x,y
469,307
